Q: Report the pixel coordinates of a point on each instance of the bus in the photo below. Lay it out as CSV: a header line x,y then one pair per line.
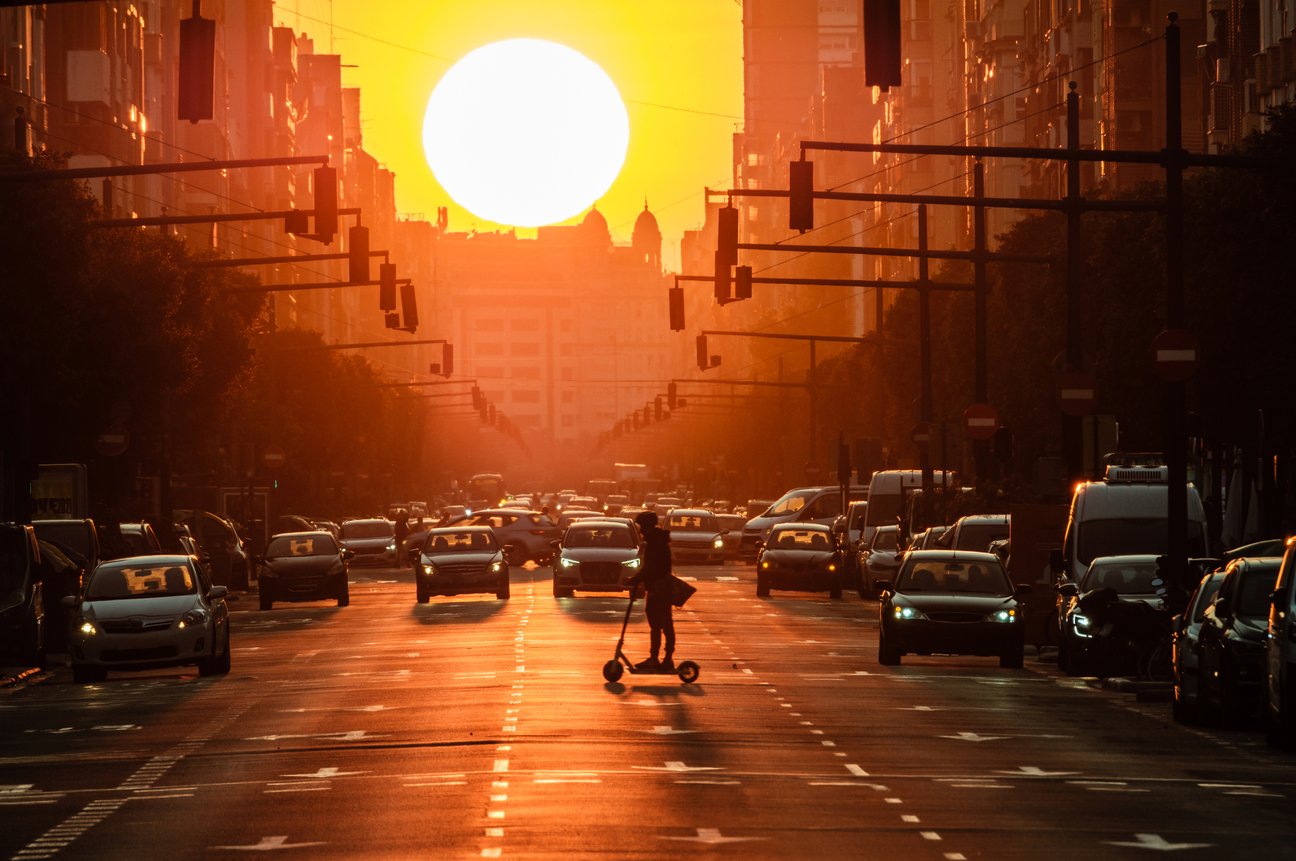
x,y
887,494
488,486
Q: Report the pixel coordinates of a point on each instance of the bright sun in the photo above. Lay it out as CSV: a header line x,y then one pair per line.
x,y
525,132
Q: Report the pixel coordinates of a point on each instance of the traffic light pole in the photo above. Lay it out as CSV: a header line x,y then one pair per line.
x,y
213,218
167,167
234,263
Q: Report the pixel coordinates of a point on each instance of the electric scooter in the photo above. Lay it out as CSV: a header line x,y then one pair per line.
x,y
687,671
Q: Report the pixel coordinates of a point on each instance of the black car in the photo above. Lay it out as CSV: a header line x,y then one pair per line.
x,y
461,559
304,566
1123,579
802,557
1231,648
951,602
1185,632
22,609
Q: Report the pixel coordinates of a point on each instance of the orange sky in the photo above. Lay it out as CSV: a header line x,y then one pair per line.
x,y
677,64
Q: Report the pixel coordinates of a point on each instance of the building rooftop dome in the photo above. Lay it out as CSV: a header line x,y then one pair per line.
x,y
646,224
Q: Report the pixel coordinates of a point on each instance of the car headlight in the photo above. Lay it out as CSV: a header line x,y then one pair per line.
x,y
391,546
196,616
429,570
87,628
907,613
1082,625
568,563
632,563
1002,616
718,543
832,566
497,567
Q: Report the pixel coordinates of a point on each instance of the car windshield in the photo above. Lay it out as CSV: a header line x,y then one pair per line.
x,y
600,536
465,541
977,536
982,578
1122,537
790,503
858,513
692,523
1127,578
886,539
139,581
301,545
1254,590
801,539
367,529
1205,595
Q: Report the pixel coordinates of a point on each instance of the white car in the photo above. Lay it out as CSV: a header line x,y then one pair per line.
x,y
144,612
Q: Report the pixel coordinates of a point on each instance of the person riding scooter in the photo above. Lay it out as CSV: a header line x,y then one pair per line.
x,y
655,576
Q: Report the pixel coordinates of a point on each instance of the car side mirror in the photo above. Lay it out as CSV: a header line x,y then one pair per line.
x,y
348,554
1177,622
556,544
882,586
1022,590
1068,589
215,593
69,602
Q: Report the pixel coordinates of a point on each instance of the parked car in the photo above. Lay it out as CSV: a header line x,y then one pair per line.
x,y
460,560
222,548
1130,578
1185,631
694,535
878,559
928,539
304,566
801,557
799,505
1231,647
524,535
595,556
951,602
731,527
1279,715
372,539
118,540
149,611
22,605
78,539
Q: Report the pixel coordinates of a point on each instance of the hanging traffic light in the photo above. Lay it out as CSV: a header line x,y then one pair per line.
x,y
657,409
723,280
727,235
197,67
387,287
801,195
476,397
676,309
358,254
447,359
326,204
672,396
703,359
409,308
882,57
742,282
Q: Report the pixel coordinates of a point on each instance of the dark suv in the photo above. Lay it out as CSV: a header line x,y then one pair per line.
x,y
22,611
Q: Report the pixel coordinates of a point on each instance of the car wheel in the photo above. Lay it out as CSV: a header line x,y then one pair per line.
x,y
344,597
1181,709
265,599
560,592
1013,658
888,656
88,675
762,587
1229,713
517,558
34,651
835,592
503,592
421,596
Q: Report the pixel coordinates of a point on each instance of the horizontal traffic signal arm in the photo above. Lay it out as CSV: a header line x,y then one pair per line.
x,y
1123,156
960,200
213,218
368,345
929,253
783,336
769,383
844,282
440,395
274,261
315,285
427,383
149,169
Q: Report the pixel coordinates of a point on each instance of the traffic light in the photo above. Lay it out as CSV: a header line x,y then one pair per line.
x,y
801,195
326,204
491,416
703,360
409,307
742,282
197,65
447,360
476,397
358,253
676,309
634,421
387,287
727,236
723,280
392,320
882,43
672,396
657,408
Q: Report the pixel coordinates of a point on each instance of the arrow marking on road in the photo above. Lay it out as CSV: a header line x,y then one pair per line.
x,y
666,730
1036,771
270,844
921,709
325,773
711,837
678,767
354,735
1158,843
971,736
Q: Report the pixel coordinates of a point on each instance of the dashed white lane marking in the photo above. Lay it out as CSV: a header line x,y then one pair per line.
x,y
892,801
909,817
930,835
955,856
856,770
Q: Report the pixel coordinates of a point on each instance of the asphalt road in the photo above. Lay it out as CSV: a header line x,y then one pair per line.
x,y
477,728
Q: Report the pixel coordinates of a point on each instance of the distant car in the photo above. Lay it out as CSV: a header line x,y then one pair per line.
x,y
459,560
975,532
694,535
951,602
664,504
928,539
373,540
571,515
614,502
595,556
22,604
1184,636
801,557
849,529
226,557
1231,648
527,533
731,527
149,611
1130,577
878,559
304,566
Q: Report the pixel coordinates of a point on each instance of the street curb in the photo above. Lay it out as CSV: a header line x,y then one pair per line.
x,y
10,681
1134,686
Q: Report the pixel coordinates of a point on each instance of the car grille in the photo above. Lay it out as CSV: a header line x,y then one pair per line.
x,y
157,653
601,572
460,569
955,617
136,626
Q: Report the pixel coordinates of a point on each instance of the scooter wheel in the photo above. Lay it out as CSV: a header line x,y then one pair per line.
x,y
612,670
688,672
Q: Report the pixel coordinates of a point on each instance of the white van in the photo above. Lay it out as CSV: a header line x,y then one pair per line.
x,y
887,494
1125,515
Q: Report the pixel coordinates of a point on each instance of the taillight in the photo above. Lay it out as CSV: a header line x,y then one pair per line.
x,y
539,532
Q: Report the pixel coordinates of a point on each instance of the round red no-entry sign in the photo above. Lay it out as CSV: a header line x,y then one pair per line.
x,y
1175,353
1077,393
272,456
921,433
113,441
980,421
